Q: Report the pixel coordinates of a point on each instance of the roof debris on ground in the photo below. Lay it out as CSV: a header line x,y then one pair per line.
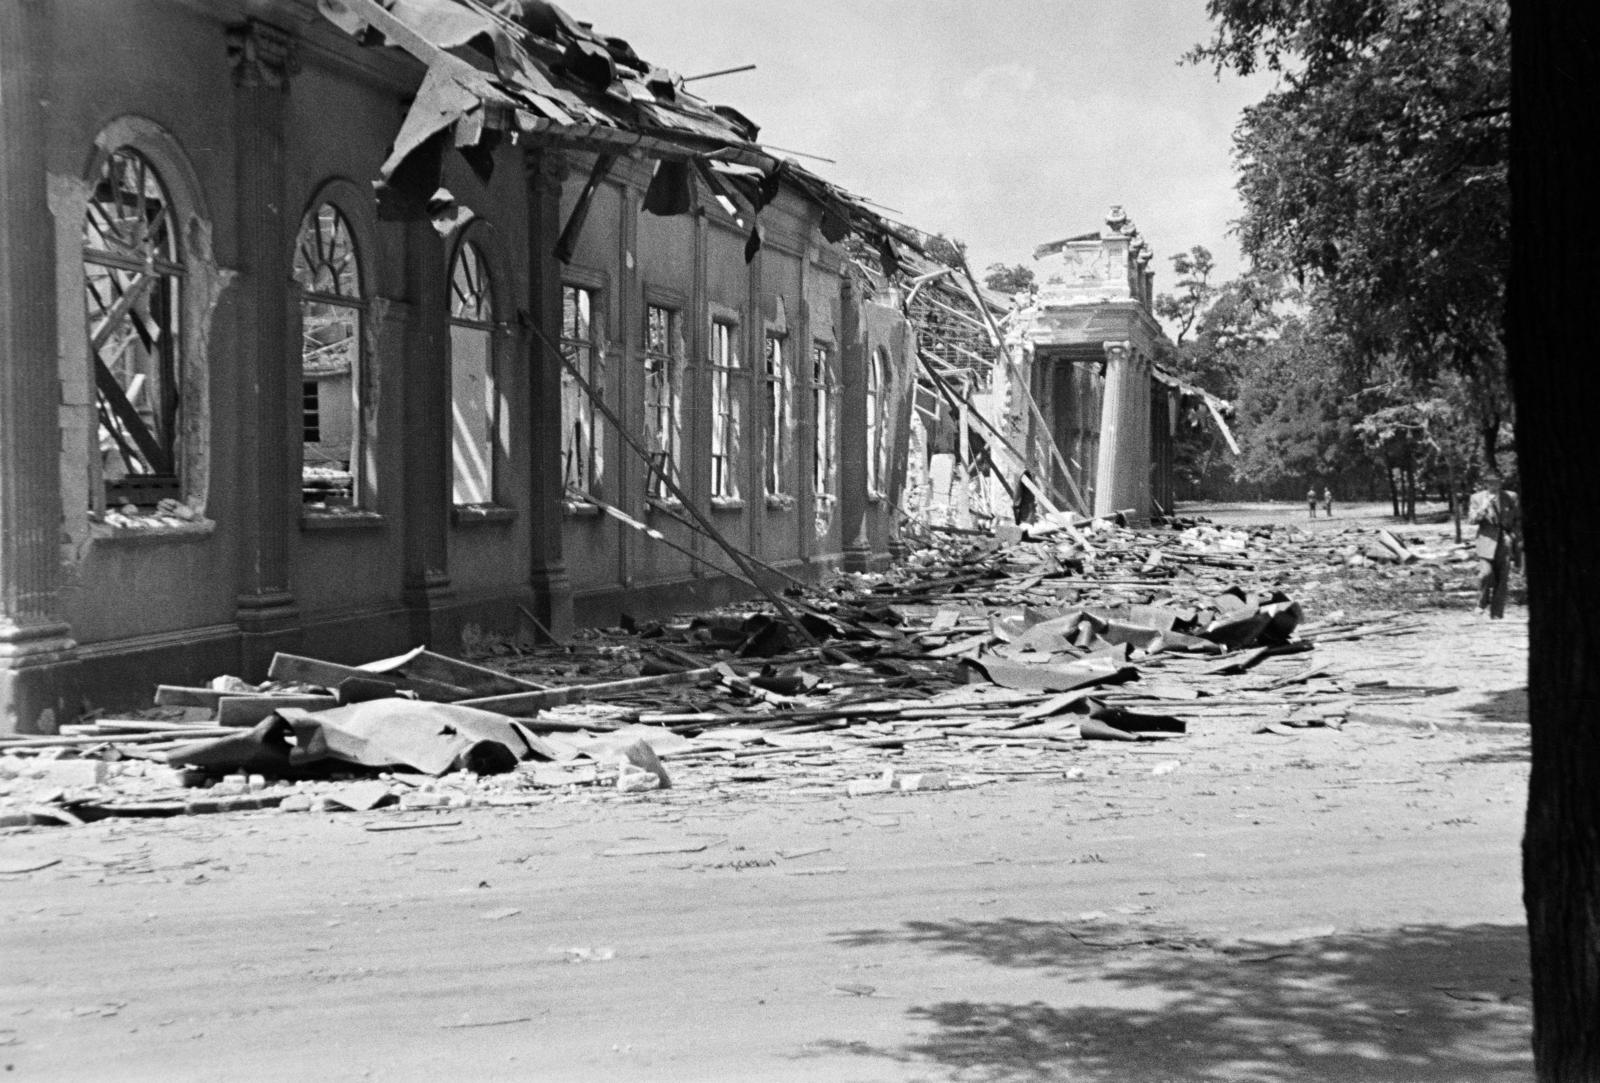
x,y
974,660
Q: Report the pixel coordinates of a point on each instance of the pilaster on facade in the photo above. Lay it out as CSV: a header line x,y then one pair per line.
x,y
545,173
263,59
425,454
262,56
853,347
37,652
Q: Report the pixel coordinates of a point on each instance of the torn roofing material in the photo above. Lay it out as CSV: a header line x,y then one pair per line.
x,y
528,69
1219,409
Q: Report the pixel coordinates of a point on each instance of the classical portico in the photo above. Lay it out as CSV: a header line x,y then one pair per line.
x,y
1090,341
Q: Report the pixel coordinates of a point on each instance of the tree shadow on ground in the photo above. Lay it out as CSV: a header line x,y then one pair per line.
x,y
1420,1003
1522,752
1506,705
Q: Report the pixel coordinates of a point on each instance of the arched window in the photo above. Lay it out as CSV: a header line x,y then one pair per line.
x,y
779,384
877,373
824,437
473,397
133,287
332,308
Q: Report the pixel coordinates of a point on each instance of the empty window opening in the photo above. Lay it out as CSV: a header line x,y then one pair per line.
x,y
824,438
473,396
581,448
332,308
663,396
780,416
877,371
725,411
133,286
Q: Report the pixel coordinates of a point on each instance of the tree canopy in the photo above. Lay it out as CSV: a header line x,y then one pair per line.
x,y
1011,280
1193,269
1377,171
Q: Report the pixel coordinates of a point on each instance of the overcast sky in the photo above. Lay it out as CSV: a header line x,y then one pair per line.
x,y
1004,124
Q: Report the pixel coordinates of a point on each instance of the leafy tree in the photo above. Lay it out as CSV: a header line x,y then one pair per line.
x,y
1194,269
1428,433
1011,280
1296,413
1378,171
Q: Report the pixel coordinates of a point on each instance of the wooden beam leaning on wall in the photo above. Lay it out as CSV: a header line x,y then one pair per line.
x,y
1023,390
1048,499
655,535
744,564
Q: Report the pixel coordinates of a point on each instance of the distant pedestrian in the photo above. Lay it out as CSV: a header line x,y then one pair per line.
x,y
1497,514
1327,501
1311,501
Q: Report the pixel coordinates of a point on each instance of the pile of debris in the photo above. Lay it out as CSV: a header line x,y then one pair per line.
x,y
978,657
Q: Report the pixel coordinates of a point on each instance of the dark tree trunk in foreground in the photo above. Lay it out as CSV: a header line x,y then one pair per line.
x,y
1556,383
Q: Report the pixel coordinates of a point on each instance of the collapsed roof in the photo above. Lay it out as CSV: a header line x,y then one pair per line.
x,y
527,69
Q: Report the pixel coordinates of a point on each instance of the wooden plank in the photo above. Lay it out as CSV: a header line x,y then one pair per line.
x,y
523,704
173,695
480,680
236,711
301,670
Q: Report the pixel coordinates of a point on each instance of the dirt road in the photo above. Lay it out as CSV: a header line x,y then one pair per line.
x,y
1331,905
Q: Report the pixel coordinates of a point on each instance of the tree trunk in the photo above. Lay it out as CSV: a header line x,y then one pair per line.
x,y
1552,134
1394,491
1454,498
1409,477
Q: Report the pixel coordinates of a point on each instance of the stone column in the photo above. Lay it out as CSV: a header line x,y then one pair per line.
x,y
266,332
548,573
1141,401
37,655
1124,443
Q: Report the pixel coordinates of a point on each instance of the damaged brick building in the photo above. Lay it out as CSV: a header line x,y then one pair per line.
x,y
250,403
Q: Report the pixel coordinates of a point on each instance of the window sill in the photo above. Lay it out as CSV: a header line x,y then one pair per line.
x,y
354,519
120,529
479,514
875,498
780,502
663,504
727,503
580,509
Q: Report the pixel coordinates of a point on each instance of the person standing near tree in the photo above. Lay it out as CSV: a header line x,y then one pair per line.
x,y
1496,513
1327,500
1311,501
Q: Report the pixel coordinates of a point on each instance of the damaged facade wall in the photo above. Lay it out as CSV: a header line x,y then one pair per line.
x,y
255,116
692,269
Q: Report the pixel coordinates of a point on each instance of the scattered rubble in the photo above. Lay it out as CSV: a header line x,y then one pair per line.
x,y
975,659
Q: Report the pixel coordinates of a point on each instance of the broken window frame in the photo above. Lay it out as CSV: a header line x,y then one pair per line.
x,y
824,436
582,443
727,380
133,286
474,480
310,414
329,284
876,400
778,384
663,396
